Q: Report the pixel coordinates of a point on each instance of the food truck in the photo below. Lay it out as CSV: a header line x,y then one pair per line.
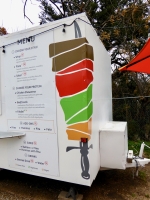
x,y
56,104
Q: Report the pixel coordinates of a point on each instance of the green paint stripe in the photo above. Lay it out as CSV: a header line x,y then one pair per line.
x,y
83,116
72,105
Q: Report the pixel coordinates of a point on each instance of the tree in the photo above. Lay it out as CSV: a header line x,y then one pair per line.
x,y
123,28
122,24
131,102
129,32
2,31
57,9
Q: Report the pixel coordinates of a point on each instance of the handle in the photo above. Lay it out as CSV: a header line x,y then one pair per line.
x,y
85,167
84,160
70,148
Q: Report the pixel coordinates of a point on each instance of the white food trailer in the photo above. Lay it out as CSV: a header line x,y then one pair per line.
x,y
56,104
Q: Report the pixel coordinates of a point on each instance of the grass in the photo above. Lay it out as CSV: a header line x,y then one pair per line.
x,y
147,196
135,146
142,175
133,195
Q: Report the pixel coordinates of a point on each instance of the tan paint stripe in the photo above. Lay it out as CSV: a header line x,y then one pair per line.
x,y
84,127
60,47
75,135
69,58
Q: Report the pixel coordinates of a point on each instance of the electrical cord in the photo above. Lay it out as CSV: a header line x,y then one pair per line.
x,y
131,97
48,31
58,27
137,164
136,172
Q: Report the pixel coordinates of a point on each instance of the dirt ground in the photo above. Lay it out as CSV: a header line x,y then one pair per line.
x,y
109,185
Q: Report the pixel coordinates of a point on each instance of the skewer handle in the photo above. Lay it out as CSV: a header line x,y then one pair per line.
x,y
84,160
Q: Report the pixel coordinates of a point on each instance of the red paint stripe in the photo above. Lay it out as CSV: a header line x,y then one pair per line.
x,y
70,84
81,65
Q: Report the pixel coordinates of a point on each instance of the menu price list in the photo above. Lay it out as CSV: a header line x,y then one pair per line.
x,y
27,83
46,126
30,157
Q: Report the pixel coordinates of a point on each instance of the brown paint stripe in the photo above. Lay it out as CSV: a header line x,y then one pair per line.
x,y
84,127
64,60
59,47
75,135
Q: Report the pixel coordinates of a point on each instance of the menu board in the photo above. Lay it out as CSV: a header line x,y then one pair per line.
x,y
34,153
30,87
30,103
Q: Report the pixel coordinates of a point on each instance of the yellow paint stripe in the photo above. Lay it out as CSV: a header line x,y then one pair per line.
x,y
83,127
75,135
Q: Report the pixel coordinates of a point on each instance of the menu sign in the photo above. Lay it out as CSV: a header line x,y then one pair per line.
x,y
29,85
30,103
34,154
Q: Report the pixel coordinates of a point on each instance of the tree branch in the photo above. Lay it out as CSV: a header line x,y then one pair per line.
x,y
56,6
24,10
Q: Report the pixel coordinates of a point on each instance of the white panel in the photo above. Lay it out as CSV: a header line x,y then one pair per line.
x,y
70,162
44,121
102,96
113,149
34,153
0,87
29,103
11,134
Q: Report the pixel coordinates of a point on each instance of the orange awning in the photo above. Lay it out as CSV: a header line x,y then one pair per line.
x,y
141,62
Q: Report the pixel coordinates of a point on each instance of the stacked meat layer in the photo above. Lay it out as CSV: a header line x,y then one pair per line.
x,y
73,64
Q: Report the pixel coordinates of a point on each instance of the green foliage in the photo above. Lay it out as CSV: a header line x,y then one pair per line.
x,y
147,196
127,33
133,195
123,28
122,24
142,175
136,111
135,146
